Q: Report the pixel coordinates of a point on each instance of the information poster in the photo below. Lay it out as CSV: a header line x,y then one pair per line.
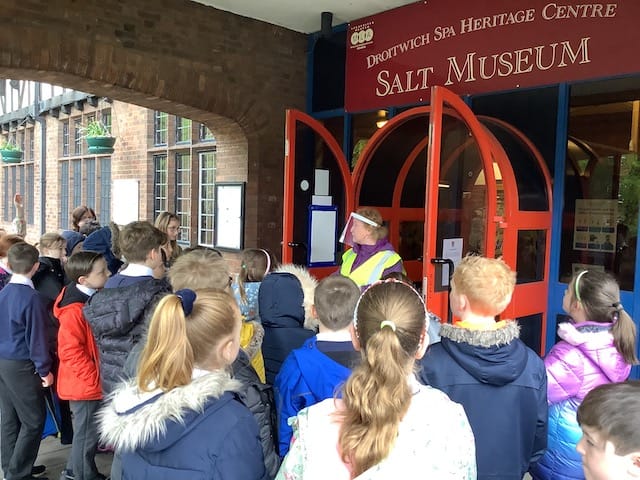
x,y
452,250
595,225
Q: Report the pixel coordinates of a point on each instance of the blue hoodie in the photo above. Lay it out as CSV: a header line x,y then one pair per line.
x,y
280,300
100,241
307,377
502,385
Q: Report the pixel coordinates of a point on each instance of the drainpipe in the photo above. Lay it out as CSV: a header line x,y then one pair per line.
x,y
43,157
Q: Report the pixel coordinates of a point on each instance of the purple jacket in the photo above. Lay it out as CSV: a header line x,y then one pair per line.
x,y
585,358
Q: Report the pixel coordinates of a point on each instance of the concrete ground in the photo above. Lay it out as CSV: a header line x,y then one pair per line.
x,y
54,456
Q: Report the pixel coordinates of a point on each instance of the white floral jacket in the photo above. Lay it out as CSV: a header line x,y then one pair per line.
x,y
434,440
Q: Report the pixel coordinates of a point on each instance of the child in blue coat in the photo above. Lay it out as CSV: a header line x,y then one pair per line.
x,y
312,372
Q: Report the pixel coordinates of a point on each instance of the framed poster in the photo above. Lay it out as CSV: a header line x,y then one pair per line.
x,y
323,228
229,216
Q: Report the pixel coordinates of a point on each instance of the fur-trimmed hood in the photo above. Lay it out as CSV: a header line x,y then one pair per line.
x,y
283,301
132,419
495,357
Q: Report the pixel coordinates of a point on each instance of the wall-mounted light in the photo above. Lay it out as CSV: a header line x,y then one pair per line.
x,y
381,119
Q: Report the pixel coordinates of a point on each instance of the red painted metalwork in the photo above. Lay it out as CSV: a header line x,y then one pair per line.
x,y
526,299
293,117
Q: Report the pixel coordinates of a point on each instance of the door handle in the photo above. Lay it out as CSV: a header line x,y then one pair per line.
x,y
449,262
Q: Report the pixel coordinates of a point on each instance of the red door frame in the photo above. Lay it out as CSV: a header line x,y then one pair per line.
x,y
443,102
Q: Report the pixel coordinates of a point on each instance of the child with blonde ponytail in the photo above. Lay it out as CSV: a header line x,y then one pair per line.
x,y
182,417
386,424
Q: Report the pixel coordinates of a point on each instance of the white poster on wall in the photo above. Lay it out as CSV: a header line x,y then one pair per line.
x,y
125,201
595,225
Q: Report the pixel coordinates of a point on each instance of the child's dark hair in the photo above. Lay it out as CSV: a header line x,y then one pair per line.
x,y
613,409
81,264
137,239
88,227
599,294
7,241
335,300
256,263
21,258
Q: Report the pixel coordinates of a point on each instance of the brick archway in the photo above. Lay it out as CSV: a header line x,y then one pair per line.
x,y
235,74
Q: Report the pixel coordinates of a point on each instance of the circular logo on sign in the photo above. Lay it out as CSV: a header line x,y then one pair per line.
x,y
354,38
361,35
368,34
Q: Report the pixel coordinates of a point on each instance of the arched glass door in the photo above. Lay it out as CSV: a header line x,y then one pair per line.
x,y
443,180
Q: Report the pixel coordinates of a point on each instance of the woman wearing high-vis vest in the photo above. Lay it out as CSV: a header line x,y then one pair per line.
x,y
371,256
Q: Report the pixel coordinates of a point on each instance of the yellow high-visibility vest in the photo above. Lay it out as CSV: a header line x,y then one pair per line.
x,y
371,270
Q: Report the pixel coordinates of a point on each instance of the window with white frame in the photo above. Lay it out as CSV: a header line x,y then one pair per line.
x,y
206,200
205,134
183,195
77,136
65,139
183,130
160,128
160,184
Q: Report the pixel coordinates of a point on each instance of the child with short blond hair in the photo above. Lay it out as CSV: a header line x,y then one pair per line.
x,y
483,365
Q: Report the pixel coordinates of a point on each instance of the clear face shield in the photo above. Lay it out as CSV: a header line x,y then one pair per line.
x,y
346,237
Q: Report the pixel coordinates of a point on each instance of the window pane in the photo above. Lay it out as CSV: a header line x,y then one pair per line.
x,y
530,257
160,128
160,184
90,168
6,200
183,196
205,133
64,195
77,137
207,198
77,183
183,130
105,190
65,139
602,191
29,197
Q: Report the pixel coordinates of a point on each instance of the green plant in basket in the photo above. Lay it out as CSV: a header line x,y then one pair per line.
x,y
96,128
10,152
9,146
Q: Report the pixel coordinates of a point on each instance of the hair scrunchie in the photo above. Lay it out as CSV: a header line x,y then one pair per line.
x,y
187,297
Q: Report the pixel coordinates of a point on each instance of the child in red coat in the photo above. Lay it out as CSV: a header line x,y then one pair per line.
x,y
79,371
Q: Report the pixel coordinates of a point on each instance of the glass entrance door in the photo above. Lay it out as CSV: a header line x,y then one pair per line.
x,y
445,185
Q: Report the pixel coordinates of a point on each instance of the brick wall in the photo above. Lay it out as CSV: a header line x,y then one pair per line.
x,y
236,74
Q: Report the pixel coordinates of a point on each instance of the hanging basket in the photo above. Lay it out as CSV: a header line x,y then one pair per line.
x,y
11,156
101,145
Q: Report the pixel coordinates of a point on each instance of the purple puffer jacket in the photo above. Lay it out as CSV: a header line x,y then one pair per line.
x,y
585,358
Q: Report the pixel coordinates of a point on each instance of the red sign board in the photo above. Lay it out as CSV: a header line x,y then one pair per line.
x,y
472,46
